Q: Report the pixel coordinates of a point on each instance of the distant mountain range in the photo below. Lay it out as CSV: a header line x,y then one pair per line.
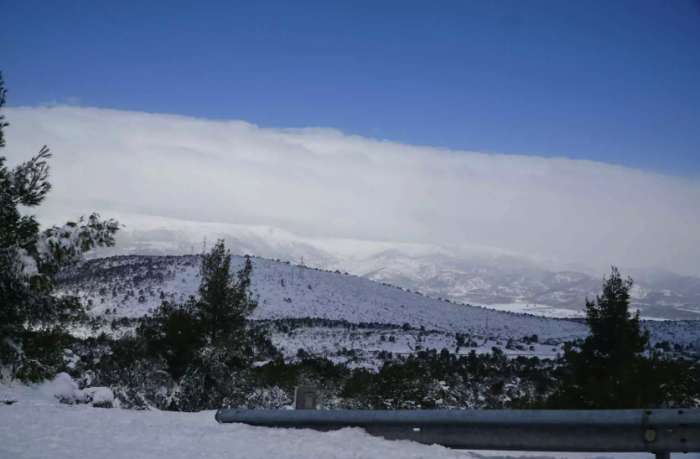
x,y
477,276
509,284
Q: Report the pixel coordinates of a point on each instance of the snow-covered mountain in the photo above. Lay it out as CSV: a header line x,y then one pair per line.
x,y
129,286
509,283
474,275
329,313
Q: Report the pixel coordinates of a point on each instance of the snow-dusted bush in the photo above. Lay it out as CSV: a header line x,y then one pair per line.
x,y
66,390
99,397
269,398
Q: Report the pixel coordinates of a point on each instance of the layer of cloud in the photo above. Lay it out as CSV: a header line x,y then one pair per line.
x,y
321,183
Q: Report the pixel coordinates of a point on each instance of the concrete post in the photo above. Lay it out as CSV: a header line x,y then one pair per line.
x,y
306,398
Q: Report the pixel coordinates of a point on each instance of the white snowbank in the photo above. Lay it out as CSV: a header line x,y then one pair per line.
x,y
38,426
61,387
43,428
64,389
98,396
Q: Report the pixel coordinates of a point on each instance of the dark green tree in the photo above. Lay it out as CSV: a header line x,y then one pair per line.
x,y
610,369
174,332
225,303
3,123
225,299
31,317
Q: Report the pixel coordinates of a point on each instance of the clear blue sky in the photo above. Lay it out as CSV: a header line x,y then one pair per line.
x,y
616,81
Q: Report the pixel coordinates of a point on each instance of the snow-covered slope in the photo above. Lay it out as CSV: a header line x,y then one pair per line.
x,y
131,285
128,286
475,275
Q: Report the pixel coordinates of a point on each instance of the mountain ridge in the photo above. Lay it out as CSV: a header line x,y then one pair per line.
x,y
133,285
472,275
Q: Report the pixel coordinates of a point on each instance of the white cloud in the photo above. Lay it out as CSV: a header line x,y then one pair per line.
x,y
321,183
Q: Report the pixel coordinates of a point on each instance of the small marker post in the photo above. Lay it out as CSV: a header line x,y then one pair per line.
x,y
305,398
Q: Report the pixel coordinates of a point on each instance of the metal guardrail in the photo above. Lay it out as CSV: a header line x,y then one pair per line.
x,y
660,431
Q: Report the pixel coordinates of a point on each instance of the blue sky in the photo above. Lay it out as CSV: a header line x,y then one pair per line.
x,y
613,81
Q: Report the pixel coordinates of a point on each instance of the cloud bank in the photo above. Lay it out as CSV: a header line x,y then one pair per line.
x,y
321,183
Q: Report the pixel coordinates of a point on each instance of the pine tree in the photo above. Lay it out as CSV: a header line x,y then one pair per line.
x,y
615,333
30,329
3,124
173,332
610,369
226,301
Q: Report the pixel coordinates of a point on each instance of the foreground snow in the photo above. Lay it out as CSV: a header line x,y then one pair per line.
x,y
37,426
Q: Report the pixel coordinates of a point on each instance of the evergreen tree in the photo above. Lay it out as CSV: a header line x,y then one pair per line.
x,y
30,329
615,333
225,300
173,332
3,95
610,369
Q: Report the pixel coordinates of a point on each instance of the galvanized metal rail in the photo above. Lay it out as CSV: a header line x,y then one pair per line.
x,y
660,431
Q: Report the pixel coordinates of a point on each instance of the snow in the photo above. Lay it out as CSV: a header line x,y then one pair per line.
x,y
98,395
129,286
467,274
38,426
63,388
28,266
537,309
291,291
367,344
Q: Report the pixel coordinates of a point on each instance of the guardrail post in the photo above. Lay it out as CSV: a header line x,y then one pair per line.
x,y
306,397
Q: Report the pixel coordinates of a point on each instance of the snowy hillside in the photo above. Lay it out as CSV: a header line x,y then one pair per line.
x,y
128,286
131,285
474,275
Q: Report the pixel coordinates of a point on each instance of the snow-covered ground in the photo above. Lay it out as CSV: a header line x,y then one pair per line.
x,y
465,274
36,425
129,286
368,344
537,309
